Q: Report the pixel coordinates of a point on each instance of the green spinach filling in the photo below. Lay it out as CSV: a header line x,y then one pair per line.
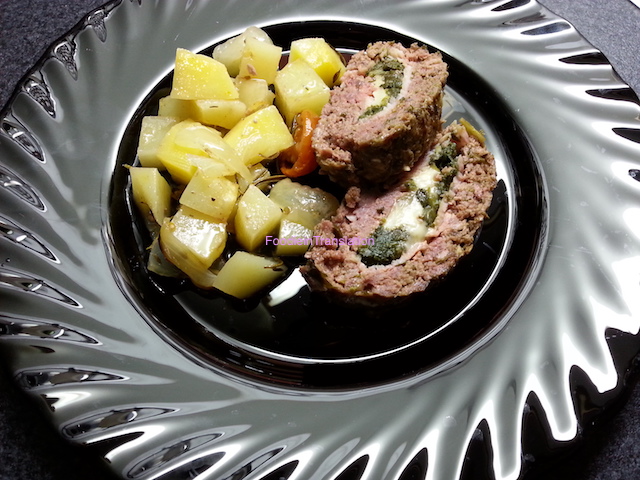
x,y
390,243
387,246
444,156
391,72
444,159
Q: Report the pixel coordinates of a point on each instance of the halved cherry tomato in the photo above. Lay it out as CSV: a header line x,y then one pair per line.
x,y
300,159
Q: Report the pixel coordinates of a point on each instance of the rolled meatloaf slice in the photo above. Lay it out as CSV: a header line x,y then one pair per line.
x,y
383,116
378,248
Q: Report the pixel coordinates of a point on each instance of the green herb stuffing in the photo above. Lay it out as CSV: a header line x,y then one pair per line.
x,y
444,156
373,109
388,245
444,159
410,185
430,201
391,71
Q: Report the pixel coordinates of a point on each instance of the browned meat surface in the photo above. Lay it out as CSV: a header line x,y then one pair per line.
x,y
383,117
339,268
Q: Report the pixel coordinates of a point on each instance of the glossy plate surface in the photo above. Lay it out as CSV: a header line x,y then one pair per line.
x,y
168,383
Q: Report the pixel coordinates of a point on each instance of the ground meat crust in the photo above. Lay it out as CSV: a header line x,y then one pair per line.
x,y
374,151
337,269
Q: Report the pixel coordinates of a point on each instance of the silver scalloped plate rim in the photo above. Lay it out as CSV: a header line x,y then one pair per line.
x,y
101,389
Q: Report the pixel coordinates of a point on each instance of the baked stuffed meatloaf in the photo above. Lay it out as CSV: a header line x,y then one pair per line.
x,y
420,228
382,117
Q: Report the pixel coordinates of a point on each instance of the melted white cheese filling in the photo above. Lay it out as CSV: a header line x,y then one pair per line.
x,y
408,212
381,96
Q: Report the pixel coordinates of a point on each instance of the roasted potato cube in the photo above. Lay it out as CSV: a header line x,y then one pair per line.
x,y
175,158
215,197
293,238
298,87
152,130
177,162
200,77
245,274
260,136
212,112
218,113
151,193
259,60
256,217
175,107
254,93
210,141
191,240
190,138
324,59
230,52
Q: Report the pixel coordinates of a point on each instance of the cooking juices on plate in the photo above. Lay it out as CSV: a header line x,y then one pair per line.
x,y
230,170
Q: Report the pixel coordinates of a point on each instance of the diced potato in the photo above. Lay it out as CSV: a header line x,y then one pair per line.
x,y
259,60
254,93
210,141
191,240
178,163
190,138
194,137
152,131
200,277
298,87
219,113
324,59
293,238
175,158
200,77
245,274
260,136
151,192
230,52
256,217
175,107
310,205
215,197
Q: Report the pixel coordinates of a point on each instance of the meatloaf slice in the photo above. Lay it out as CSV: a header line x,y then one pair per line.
x,y
420,228
383,116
